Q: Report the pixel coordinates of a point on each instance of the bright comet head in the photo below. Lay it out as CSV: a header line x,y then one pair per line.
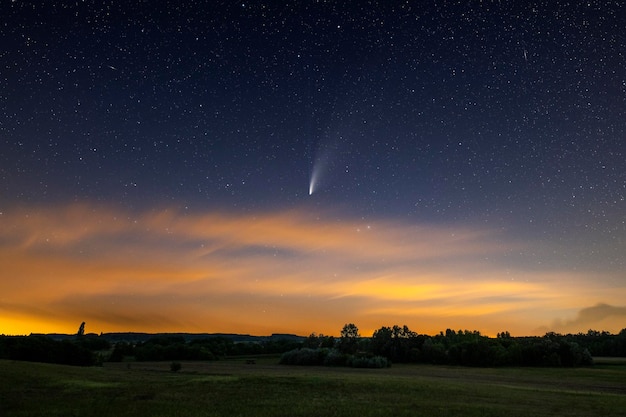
x,y
313,181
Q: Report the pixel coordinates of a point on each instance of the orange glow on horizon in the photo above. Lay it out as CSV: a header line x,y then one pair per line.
x,y
291,272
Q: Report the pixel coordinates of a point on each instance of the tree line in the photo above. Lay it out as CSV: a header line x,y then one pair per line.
x,y
79,351
165,348
88,350
399,344
387,345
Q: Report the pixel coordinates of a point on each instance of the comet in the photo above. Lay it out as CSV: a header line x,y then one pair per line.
x,y
322,163
314,179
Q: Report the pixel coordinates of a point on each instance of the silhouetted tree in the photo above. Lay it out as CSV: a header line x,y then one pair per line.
x,y
327,341
81,330
315,341
312,342
381,340
433,352
399,344
349,338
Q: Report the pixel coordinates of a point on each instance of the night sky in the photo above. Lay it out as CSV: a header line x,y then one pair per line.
x,y
261,167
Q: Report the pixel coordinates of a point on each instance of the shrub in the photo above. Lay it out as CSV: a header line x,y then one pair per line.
x,y
335,358
304,356
365,362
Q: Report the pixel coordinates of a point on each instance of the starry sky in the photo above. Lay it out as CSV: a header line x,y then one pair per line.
x,y
264,166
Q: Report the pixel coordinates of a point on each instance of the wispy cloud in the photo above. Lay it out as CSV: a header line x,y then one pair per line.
x,y
296,271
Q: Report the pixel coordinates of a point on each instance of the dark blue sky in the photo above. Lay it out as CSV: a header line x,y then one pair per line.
x,y
509,115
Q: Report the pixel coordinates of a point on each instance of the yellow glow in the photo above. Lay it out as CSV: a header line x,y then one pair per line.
x,y
290,271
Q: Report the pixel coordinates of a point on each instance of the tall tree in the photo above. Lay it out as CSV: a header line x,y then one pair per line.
x,y
349,338
81,330
350,331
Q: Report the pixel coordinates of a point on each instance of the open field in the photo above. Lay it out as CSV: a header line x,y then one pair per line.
x,y
234,388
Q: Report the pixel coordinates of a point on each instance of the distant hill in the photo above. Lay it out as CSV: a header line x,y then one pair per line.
x,y
134,337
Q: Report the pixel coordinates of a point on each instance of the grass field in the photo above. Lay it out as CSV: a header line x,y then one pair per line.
x,y
234,388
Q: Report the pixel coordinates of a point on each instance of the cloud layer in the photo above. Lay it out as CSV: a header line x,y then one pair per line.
x,y
289,271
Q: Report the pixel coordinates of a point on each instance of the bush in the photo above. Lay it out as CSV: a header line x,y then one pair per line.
x,y
331,357
335,358
120,351
304,356
365,362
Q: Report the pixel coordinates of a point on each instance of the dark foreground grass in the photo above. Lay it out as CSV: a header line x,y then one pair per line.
x,y
233,388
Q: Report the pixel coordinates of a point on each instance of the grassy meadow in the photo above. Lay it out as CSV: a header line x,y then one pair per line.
x,y
235,388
